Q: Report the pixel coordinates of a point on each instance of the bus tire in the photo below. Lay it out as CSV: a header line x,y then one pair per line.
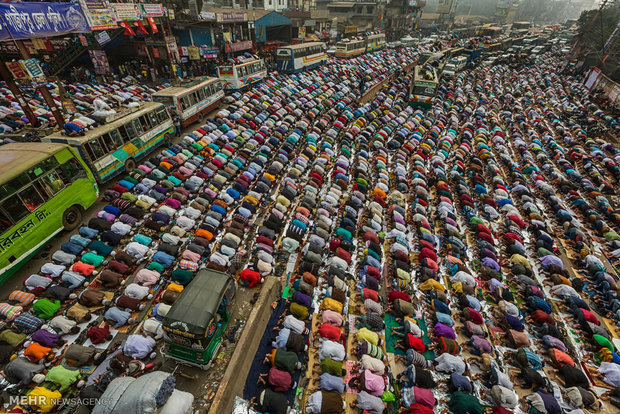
x,y
130,165
72,217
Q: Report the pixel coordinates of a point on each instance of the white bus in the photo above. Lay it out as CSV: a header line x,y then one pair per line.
x,y
375,42
242,75
127,137
296,58
193,99
350,48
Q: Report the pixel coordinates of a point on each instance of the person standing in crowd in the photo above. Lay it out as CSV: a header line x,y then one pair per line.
x,y
177,124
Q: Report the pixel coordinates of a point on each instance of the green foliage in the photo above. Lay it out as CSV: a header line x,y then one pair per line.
x,y
593,36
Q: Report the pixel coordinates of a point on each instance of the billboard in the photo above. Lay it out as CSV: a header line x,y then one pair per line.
x,y
36,20
99,14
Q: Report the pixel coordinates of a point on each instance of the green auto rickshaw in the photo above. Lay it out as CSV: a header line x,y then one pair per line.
x,y
197,320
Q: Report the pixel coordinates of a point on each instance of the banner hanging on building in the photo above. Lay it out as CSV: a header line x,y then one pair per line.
x,y
100,61
16,70
125,11
208,52
128,30
152,10
232,17
152,24
238,46
171,45
193,52
99,14
102,37
36,20
33,69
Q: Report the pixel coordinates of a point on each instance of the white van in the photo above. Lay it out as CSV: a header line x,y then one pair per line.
x,y
454,66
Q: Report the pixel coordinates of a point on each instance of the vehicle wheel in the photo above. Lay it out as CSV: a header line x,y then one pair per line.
x,y
71,218
130,165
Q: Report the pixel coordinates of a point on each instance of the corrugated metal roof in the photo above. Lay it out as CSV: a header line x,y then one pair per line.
x,y
273,19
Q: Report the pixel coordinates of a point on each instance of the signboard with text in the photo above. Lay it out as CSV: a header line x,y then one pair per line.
x,y
126,11
16,69
33,70
37,20
232,17
152,10
102,37
239,46
209,52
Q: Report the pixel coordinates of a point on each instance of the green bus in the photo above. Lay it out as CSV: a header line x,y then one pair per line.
x,y
44,188
197,320
126,137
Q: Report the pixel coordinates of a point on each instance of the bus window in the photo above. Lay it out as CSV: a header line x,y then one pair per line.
x,y
153,119
5,223
44,189
192,99
94,150
138,126
184,103
144,122
218,86
15,184
131,132
15,208
32,198
162,116
116,137
72,170
201,93
106,146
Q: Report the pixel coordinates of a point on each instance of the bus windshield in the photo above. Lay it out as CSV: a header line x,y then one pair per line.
x,y
226,70
424,90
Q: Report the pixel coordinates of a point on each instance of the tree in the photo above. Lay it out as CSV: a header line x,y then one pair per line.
x,y
594,30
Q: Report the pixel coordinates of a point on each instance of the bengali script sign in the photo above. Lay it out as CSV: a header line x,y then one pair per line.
x,y
7,242
36,20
